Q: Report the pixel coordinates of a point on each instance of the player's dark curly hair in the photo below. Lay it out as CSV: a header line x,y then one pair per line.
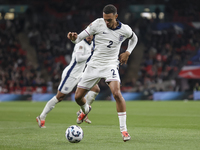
x,y
110,9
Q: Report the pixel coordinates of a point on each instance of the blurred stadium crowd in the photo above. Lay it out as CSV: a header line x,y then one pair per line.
x,y
46,24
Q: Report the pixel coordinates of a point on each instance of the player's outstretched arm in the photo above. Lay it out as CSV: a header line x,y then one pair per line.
x,y
76,38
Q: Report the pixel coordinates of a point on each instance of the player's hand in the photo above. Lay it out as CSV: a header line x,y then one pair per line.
x,y
72,36
123,58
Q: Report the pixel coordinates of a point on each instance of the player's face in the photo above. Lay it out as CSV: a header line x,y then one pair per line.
x,y
110,20
89,38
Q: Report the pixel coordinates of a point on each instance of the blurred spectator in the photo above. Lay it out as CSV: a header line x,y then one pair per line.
x,y
196,87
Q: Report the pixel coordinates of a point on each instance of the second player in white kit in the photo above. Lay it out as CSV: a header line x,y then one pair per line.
x,y
70,77
72,73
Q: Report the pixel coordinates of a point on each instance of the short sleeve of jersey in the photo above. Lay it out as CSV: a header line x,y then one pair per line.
x,y
128,31
91,29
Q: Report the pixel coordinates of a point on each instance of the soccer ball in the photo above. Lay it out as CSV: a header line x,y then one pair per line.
x,y
74,134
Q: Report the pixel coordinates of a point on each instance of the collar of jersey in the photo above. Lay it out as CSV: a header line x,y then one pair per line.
x,y
87,42
119,26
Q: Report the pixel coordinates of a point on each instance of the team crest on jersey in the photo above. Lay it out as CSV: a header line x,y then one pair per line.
x,y
66,88
121,37
80,47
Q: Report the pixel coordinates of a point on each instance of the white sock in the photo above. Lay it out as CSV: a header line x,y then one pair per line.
x,y
49,106
122,121
90,97
85,108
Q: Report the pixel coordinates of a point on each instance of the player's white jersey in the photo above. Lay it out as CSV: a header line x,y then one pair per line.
x,y
72,73
107,42
75,69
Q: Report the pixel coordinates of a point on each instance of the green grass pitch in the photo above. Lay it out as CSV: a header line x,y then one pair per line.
x,y
171,125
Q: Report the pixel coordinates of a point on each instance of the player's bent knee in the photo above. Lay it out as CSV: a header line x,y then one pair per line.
x,y
60,96
97,90
77,97
117,95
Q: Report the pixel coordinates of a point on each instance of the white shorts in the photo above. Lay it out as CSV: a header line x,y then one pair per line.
x,y
67,82
92,76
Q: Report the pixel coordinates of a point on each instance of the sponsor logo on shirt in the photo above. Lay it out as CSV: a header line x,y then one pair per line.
x,y
105,33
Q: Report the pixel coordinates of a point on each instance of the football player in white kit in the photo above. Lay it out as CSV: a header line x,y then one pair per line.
x,y
109,33
70,77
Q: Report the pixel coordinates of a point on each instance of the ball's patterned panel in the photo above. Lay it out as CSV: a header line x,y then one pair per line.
x,y
74,134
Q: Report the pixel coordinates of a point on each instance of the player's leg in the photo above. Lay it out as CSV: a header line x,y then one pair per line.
x,y
48,107
80,99
51,104
90,97
120,102
65,87
121,108
89,79
92,94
